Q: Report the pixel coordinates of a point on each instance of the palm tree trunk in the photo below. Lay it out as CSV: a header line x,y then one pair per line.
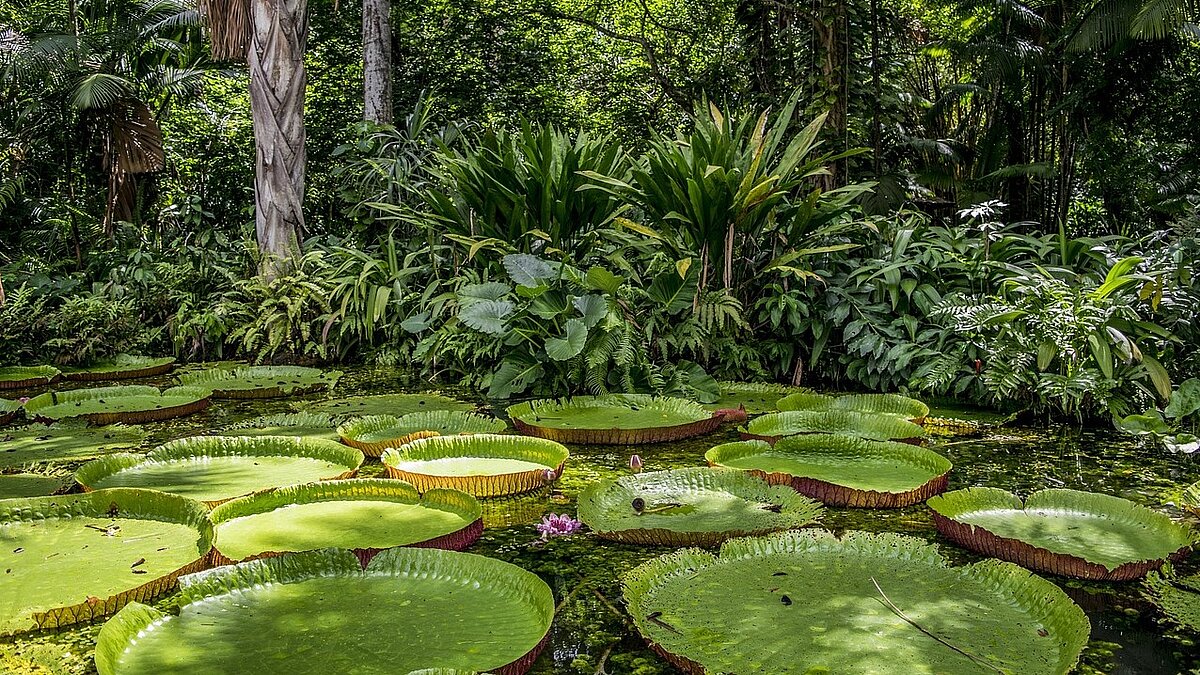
x,y
377,61
277,82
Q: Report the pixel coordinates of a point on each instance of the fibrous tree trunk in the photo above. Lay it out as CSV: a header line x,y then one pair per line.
x,y
278,36
377,61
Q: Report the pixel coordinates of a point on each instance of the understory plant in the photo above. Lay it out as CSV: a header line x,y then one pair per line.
x,y
1060,342
552,328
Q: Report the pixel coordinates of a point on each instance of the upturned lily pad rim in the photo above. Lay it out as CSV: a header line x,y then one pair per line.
x,y
9,410
121,367
1046,601
235,382
550,454
795,510
122,631
413,426
356,489
439,400
224,446
132,503
880,404
950,507
700,419
834,493
773,426
177,402
24,377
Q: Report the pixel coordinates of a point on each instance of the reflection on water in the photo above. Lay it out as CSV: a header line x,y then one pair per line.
x,y
591,633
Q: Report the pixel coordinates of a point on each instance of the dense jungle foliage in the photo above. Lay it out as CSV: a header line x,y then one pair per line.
x,y
992,201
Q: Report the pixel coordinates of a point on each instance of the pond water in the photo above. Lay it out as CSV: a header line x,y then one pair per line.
x,y
592,634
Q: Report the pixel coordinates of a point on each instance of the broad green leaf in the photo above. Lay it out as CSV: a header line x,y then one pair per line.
x,y
600,279
592,307
1158,375
1045,355
1185,400
673,292
527,270
570,345
486,316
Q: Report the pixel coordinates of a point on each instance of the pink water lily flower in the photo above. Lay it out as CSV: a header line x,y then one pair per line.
x,y
558,525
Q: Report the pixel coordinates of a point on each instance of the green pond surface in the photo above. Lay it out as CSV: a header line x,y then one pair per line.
x,y
591,632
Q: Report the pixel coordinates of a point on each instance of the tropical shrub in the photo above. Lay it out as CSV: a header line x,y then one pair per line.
x,y
1071,345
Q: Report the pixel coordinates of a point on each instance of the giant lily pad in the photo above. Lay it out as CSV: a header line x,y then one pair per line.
x,y
321,612
262,381
841,470
366,516
23,377
374,433
1178,597
66,442
128,404
691,507
16,485
214,469
879,404
1066,532
614,419
121,367
874,427
308,425
8,410
754,397
804,601
386,404
73,558
484,465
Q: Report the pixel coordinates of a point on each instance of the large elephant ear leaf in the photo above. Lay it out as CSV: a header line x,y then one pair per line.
x,y
486,316
1185,400
492,290
527,270
601,279
592,307
674,291
1150,422
569,346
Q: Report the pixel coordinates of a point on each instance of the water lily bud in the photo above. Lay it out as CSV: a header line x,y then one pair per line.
x,y
635,463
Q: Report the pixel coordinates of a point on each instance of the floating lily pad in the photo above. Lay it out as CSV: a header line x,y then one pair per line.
x,y
1066,532
127,404
262,381
321,612
64,442
841,470
880,404
375,433
308,425
387,404
121,367
214,469
691,507
24,377
614,419
755,397
804,601
16,485
484,465
365,516
773,426
1178,597
9,410
74,558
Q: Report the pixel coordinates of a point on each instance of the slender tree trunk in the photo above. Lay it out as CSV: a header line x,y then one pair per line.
x,y
277,81
377,61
